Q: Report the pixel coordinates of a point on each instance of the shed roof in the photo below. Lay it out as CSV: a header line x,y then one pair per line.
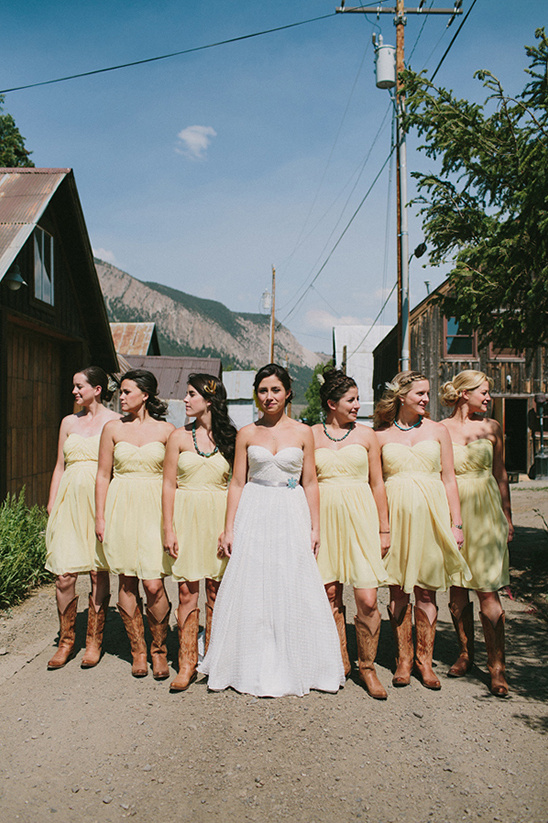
x,y
172,372
135,338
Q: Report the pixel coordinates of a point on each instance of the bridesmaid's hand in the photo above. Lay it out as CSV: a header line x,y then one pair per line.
x,y
458,535
385,543
171,545
315,543
225,544
510,530
100,528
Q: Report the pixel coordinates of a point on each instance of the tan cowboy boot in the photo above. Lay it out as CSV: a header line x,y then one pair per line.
x,y
188,652
340,622
464,627
158,648
425,633
94,634
67,635
368,642
403,634
136,632
209,619
494,641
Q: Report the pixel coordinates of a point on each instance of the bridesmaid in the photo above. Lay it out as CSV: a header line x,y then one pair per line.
x,y
425,519
70,535
487,521
129,514
353,519
198,461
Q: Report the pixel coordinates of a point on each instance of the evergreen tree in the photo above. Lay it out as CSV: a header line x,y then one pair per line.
x,y
12,144
312,414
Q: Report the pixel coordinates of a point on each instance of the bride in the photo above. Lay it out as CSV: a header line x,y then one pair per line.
x,y
273,631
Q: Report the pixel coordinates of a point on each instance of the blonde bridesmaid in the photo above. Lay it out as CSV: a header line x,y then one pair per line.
x,y
198,462
487,521
425,519
128,499
70,535
353,519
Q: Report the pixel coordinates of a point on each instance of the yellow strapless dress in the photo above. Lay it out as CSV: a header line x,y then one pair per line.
x,y
350,549
485,527
199,515
133,512
423,551
71,544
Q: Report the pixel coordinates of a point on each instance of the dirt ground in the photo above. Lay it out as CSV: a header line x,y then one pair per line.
x,y
99,745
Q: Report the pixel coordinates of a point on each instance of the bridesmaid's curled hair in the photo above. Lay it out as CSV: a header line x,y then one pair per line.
x,y
334,385
223,430
467,380
386,409
273,369
96,376
148,384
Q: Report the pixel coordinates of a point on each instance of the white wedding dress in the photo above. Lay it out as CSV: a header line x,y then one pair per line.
x,y
273,632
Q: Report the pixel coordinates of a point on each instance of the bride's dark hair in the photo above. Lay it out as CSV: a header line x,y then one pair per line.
x,y
223,430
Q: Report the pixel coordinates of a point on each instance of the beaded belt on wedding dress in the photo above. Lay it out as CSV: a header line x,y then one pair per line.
x,y
290,483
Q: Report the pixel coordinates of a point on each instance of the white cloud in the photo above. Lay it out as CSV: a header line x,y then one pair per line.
x,y
104,254
194,141
321,319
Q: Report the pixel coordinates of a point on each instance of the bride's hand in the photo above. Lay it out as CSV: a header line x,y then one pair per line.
x,y
225,544
315,543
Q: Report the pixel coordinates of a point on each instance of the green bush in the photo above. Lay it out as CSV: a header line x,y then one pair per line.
x,y
22,549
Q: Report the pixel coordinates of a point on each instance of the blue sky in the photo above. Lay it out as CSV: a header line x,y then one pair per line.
x,y
204,170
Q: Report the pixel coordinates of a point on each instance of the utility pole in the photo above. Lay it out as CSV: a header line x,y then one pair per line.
x,y
400,19
272,314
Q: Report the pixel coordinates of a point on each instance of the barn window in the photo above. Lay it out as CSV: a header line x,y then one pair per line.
x,y
460,339
43,266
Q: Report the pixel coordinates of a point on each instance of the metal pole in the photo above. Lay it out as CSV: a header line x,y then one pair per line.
x,y
272,314
403,234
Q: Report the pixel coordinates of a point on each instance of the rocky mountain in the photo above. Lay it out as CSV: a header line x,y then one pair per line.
x,y
189,325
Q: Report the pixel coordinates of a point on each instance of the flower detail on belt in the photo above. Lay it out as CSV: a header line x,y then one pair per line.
x,y
292,483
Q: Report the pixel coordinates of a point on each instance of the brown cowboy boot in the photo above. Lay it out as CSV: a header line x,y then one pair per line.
x,y
94,635
136,632
368,642
340,622
464,627
425,633
494,641
158,648
209,619
67,635
403,635
188,652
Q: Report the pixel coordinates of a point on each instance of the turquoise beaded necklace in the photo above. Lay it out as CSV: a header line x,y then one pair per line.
x,y
194,440
337,439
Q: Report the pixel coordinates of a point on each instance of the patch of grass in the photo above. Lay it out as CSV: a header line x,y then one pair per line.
x,y
22,549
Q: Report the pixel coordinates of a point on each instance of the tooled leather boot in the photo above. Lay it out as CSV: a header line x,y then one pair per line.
x,y
188,652
67,635
368,642
494,641
340,622
402,628
94,634
158,648
464,627
425,633
209,620
136,632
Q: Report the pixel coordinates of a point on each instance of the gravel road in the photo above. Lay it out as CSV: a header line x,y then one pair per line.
x,y
99,745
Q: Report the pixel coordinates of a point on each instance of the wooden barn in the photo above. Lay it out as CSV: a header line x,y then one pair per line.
x,y
441,347
52,320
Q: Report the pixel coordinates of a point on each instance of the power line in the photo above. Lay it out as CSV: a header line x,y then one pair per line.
x,y
167,56
366,335
464,19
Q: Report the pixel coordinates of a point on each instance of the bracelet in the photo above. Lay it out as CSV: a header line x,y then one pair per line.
x,y
457,527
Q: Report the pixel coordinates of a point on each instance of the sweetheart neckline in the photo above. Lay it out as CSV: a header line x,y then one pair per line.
x,y
408,446
82,436
273,454
336,451
139,447
477,440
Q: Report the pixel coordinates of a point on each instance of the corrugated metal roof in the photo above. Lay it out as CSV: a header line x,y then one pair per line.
x,y
172,372
24,196
132,338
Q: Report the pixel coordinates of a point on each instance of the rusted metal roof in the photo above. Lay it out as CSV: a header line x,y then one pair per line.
x,y
24,196
172,372
135,338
